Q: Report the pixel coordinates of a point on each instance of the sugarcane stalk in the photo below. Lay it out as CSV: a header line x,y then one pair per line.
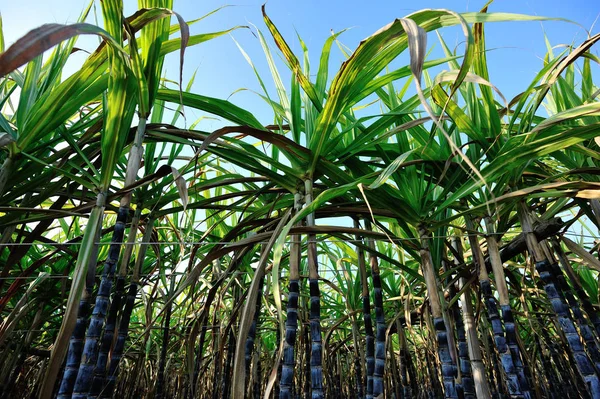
x,y
316,369
230,346
111,319
160,380
358,380
512,378
464,384
307,348
435,304
251,335
480,381
86,255
565,292
77,338
257,374
475,364
560,308
291,322
226,378
574,279
279,368
123,332
379,319
366,311
504,300
90,349
198,362
218,336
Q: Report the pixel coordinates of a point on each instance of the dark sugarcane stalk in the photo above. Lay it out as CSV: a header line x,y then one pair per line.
x,y
316,369
226,378
106,342
307,350
291,325
199,352
111,319
512,378
504,300
560,308
316,355
584,329
452,344
562,361
453,322
379,319
160,380
467,385
252,332
366,310
466,378
119,347
358,380
90,350
291,322
198,362
564,370
279,368
217,336
429,274
257,372
75,348
123,332
496,381
574,279
76,341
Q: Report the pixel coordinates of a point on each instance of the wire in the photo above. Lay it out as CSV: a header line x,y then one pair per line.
x,y
187,243
167,275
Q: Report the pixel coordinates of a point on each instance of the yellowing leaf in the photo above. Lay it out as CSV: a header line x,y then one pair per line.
x,y
589,194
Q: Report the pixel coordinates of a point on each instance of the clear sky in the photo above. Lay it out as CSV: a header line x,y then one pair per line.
x,y
221,69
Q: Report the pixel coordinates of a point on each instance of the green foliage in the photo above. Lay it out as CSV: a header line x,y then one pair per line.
x,y
402,146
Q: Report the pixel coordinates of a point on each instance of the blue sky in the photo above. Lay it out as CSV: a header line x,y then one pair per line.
x,y
221,69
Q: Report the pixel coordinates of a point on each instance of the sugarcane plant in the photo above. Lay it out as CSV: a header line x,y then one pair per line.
x,y
390,231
